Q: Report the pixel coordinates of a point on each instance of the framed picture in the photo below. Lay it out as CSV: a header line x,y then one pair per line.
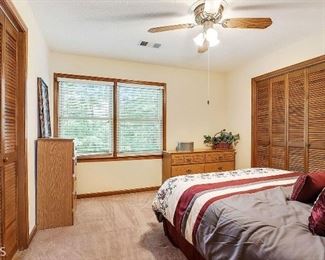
x,y
44,109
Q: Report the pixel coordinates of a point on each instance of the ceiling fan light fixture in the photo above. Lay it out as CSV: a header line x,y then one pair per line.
x,y
199,40
209,14
211,35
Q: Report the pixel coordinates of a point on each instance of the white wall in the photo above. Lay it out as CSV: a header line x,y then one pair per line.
x,y
188,116
37,67
238,87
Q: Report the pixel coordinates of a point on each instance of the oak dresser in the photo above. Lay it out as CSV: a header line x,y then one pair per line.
x,y
199,161
55,182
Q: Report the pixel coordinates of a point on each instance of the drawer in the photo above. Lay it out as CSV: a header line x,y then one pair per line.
x,y
187,169
178,159
219,167
219,157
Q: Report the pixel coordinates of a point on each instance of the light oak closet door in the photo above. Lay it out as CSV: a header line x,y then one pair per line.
x,y
316,117
1,152
278,127
9,136
296,121
262,124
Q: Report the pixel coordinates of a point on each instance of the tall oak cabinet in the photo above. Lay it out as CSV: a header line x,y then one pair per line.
x,y
55,182
288,118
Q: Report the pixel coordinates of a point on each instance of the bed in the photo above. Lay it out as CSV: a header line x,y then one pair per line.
x,y
242,214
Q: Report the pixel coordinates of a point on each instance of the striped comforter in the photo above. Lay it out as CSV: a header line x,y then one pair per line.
x,y
184,200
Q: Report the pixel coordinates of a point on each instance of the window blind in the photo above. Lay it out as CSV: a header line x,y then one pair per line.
x,y
139,119
86,114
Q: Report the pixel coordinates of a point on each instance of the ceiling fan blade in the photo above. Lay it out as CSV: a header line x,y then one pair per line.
x,y
212,6
171,27
247,23
204,47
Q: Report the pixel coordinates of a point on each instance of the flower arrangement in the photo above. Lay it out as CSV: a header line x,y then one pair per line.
x,y
222,139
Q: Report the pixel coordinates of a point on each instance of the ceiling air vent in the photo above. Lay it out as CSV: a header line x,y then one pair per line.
x,y
143,43
156,45
149,44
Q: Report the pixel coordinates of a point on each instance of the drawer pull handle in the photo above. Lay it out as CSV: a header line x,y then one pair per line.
x,y
188,171
220,168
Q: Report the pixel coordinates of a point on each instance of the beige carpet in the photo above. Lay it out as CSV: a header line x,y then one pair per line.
x,y
115,227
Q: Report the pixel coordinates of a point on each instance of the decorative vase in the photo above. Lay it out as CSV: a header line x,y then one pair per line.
x,y
222,146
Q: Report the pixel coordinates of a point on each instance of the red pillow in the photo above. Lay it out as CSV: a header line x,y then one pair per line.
x,y
308,187
317,217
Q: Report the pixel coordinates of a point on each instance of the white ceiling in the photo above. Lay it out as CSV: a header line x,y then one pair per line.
x,y
113,28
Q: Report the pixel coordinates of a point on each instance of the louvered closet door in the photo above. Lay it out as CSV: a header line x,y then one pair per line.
x,y
2,18
278,127
262,129
316,117
9,136
296,121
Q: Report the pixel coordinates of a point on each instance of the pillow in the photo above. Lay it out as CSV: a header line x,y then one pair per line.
x,y
317,218
308,187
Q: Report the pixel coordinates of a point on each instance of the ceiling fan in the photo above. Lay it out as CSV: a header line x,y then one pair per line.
x,y
208,13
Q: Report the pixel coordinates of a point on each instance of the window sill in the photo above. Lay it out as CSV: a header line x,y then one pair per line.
x,y
101,158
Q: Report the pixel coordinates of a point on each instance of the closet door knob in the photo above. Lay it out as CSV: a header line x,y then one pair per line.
x,y
5,159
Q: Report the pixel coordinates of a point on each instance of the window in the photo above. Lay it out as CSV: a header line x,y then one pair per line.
x,y
110,118
86,114
139,119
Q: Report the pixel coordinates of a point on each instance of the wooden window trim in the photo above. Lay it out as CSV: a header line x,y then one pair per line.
x,y
115,81
117,158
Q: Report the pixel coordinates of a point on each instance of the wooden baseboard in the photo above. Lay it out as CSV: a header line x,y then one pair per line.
x,y
118,192
32,234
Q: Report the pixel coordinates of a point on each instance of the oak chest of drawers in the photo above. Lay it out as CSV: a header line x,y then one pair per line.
x,y
199,161
55,182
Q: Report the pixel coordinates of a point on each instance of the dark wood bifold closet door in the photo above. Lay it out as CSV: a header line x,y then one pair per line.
x,y
278,127
296,121
9,76
316,117
262,149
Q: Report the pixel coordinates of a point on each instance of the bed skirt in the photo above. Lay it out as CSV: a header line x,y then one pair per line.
x,y
179,241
